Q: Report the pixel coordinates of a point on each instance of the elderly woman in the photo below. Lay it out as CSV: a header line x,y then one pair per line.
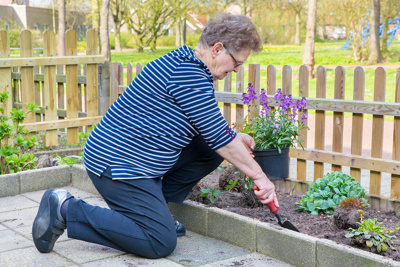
x,y
158,139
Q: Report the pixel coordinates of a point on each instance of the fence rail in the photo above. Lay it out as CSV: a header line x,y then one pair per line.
x,y
317,152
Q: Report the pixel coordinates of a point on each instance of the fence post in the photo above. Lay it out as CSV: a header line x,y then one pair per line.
x,y
287,80
319,138
254,79
303,92
50,86
357,121
5,73
377,130
338,118
395,179
240,89
104,87
129,73
227,106
71,85
27,81
271,80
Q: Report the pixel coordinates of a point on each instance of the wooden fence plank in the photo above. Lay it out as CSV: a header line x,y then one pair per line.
x,y
227,106
92,48
114,82
50,86
338,117
319,141
72,85
37,92
26,61
377,130
68,123
139,68
27,83
254,79
240,90
357,120
129,73
5,73
271,80
395,179
120,77
303,92
287,80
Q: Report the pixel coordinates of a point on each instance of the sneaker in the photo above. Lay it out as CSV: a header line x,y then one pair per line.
x,y
49,225
180,229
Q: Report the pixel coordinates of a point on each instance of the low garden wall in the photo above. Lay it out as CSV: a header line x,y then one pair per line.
x,y
288,246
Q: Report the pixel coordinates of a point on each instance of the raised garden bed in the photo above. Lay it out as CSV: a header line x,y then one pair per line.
x,y
270,239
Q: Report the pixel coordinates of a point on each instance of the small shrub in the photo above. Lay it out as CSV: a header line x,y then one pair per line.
x,y
69,160
371,234
327,192
233,185
353,203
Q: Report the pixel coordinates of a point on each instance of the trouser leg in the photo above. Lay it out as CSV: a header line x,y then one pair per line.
x,y
195,162
139,221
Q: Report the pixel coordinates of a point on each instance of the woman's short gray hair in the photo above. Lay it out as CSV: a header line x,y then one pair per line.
x,y
235,32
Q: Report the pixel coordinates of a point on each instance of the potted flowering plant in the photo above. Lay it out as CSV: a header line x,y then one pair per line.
x,y
275,130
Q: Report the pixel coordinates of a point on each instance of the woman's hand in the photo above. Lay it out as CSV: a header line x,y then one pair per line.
x,y
247,141
265,190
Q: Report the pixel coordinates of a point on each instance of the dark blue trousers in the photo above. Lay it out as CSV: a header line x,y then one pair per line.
x,y
139,220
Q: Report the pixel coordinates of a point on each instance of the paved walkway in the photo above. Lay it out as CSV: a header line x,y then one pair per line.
x,y
17,248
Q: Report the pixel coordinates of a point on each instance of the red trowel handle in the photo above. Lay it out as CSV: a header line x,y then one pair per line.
x,y
270,205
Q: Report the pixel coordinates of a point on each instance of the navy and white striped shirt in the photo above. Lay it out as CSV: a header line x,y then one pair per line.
x,y
145,129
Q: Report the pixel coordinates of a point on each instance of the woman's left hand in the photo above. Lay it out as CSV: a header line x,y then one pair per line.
x,y
248,142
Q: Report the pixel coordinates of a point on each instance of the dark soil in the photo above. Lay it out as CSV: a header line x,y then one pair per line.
x,y
241,201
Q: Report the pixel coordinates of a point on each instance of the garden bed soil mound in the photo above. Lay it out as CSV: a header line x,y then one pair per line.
x,y
244,202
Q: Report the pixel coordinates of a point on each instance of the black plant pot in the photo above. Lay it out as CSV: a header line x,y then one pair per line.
x,y
275,165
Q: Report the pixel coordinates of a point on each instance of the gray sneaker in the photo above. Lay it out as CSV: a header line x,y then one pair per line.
x,y
49,225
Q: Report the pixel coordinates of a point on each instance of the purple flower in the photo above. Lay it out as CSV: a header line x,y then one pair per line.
x,y
263,96
303,118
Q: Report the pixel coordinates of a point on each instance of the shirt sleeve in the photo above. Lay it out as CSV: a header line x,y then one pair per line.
x,y
193,92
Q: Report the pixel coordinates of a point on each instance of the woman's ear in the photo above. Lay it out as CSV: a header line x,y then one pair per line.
x,y
217,49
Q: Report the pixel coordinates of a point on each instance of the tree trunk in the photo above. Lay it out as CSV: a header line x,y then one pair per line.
x,y
298,29
61,27
178,34
384,39
117,36
105,40
374,46
96,16
308,56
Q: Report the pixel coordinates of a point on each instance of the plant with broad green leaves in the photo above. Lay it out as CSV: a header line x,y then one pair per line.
x,y
327,192
15,141
69,160
207,192
370,233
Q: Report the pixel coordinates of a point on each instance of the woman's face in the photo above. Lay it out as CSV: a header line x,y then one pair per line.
x,y
225,61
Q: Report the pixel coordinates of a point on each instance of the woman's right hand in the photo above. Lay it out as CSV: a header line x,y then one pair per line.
x,y
265,191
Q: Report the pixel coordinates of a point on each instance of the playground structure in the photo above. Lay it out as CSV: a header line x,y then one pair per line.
x,y
365,32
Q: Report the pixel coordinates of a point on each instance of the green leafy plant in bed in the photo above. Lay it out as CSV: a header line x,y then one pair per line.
x,y
327,192
372,234
15,140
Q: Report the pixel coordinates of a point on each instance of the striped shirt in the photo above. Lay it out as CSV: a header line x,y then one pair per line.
x,y
142,134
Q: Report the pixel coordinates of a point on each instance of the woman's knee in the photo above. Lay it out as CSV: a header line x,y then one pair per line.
x,y
154,248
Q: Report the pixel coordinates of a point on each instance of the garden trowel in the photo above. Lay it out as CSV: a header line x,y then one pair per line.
x,y
275,210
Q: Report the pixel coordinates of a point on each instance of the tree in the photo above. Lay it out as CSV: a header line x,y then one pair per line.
x,y
389,10
374,45
105,42
308,55
148,17
61,27
118,11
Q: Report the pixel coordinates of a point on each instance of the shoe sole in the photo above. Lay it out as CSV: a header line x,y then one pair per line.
x,y
180,234
42,208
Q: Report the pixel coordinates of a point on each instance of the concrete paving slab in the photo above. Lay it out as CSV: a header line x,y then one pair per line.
x,y
10,240
249,260
16,203
77,193
131,260
31,257
82,252
96,201
35,195
18,218
197,250
2,227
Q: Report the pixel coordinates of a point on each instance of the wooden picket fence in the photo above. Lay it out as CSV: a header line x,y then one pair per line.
x,y
318,155
20,77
